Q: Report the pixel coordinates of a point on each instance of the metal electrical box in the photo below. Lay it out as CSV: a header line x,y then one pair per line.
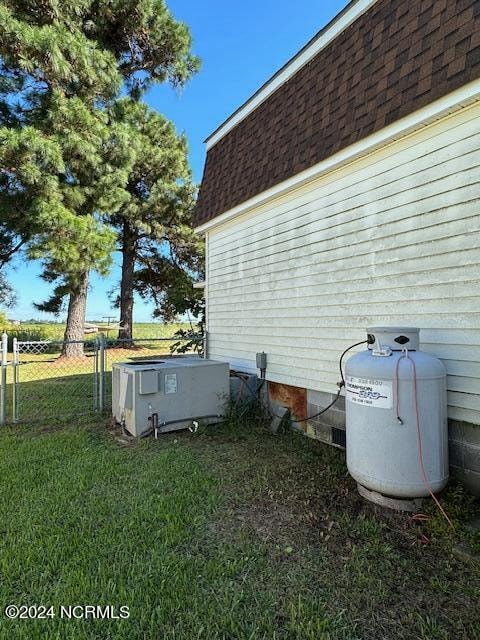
x,y
168,394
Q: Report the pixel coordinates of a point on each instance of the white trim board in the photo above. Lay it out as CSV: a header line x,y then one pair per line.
x,y
319,42
466,95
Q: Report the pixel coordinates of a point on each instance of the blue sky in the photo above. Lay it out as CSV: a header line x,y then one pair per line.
x,y
241,45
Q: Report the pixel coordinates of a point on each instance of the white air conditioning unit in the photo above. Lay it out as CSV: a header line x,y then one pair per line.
x,y
165,395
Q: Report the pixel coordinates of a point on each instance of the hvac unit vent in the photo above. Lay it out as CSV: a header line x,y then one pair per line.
x,y
168,394
329,435
338,437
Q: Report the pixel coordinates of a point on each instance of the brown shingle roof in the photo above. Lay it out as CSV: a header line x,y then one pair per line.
x,y
394,59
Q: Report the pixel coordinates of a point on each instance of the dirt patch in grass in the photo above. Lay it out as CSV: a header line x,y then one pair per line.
x,y
393,575
72,361
270,521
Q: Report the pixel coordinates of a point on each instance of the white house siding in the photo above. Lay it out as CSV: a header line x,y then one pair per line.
x,y
392,238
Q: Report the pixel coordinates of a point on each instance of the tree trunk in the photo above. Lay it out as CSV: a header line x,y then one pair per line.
x,y
77,307
126,285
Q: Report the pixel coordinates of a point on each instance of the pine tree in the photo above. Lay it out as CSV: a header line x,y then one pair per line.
x,y
63,166
154,223
10,243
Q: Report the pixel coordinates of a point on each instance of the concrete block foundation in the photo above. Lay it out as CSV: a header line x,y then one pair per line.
x,y
329,427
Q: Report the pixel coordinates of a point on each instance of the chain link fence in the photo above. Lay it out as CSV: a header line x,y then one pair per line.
x,y
39,382
49,386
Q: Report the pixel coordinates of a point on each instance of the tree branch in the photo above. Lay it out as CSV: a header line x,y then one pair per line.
x,y
5,257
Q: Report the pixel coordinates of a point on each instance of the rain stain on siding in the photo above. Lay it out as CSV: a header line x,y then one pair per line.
x,y
295,398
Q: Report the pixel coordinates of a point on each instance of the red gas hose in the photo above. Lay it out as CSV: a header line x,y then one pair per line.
x,y
419,435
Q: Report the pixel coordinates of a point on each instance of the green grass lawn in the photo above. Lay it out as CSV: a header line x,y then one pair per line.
x,y
228,534
56,330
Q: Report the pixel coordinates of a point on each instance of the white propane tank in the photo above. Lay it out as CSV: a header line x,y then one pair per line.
x,y
381,417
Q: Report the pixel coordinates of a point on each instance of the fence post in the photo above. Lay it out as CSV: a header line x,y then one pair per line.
x,y
3,382
101,377
95,373
15,379
205,343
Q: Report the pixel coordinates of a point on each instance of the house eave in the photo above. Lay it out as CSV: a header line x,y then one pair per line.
x,y
461,98
321,40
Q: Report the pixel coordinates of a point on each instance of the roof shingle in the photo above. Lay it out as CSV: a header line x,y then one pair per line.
x,y
394,59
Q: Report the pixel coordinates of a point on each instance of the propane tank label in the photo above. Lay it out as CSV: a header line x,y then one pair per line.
x,y
369,392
